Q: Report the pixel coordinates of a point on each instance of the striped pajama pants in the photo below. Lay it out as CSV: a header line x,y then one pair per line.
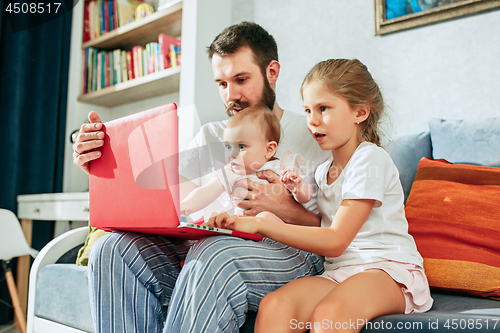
x,y
132,279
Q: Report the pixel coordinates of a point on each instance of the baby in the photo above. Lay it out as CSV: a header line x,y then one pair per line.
x,y
251,138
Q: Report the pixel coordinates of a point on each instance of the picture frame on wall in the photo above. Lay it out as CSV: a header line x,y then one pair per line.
x,y
395,15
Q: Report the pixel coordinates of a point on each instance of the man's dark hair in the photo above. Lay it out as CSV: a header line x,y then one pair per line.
x,y
250,34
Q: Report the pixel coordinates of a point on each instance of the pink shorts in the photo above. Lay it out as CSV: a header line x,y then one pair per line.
x,y
411,279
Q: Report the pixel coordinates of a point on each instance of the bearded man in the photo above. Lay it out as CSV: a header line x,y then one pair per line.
x,y
136,281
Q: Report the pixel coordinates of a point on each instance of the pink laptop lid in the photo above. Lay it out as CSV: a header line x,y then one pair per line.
x,y
134,185
129,184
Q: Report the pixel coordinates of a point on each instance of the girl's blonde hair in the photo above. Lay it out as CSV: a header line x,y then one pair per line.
x,y
351,80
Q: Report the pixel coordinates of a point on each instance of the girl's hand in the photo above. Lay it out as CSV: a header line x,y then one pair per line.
x,y
217,220
224,221
243,224
292,180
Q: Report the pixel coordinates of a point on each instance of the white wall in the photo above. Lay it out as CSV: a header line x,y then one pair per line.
x,y
199,99
450,69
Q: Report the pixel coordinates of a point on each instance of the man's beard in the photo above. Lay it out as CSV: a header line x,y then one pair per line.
x,y
268,98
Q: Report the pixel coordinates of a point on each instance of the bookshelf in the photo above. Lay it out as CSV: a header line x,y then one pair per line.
x,y
194,90
167,21
155,84
141,32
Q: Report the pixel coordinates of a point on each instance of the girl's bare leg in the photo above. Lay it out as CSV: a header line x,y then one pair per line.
x,y
357,300
288,308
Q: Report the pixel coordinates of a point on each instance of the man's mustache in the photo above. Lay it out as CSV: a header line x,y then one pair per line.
x,y
236,105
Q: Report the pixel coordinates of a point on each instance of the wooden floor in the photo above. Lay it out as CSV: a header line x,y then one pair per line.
x,y
8,328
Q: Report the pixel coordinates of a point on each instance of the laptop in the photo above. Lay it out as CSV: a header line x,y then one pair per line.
x,y
134,185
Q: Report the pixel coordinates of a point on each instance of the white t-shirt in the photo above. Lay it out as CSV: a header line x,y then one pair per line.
x,y
369,174
206,154
228,177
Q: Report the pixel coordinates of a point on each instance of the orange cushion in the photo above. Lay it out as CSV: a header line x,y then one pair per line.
x,y
453,212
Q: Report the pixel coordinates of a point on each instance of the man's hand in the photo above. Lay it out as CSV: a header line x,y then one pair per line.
x,y
89,138
273,197
255,198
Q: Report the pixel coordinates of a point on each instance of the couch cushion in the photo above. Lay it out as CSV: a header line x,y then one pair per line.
x,y
62,295
453,213
406,151
449,313
72,307
466,141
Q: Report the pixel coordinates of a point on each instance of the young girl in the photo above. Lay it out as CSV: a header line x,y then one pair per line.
x,y
372,266
251,138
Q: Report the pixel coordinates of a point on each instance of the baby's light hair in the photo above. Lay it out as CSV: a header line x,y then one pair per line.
x,y
263,116
351,80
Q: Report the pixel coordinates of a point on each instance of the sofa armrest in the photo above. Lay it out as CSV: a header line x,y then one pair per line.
x,y
49,255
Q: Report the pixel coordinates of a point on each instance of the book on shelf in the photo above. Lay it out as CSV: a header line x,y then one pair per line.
x,y
165,41
103,16
99,71
111,69
100,17
94,71
86,22
140,61
149,49
144,62
111,17
130,65
91,5
94,19
117,69
175,53
123,66
135,57
105,20
105,68
85,73
158,58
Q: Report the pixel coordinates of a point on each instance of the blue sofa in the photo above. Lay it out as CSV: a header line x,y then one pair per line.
x,y
59,290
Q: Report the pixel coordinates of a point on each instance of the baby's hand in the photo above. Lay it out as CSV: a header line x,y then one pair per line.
x,y
292,180
185,210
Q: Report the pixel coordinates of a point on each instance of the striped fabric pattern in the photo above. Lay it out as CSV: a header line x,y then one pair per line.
x,y
136,283
453,212
224,277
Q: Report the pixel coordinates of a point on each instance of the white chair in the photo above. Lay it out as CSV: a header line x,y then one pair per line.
x,y
47,256
13,244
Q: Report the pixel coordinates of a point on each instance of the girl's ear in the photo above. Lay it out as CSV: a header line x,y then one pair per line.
x,y
362,114
271,149
272,72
